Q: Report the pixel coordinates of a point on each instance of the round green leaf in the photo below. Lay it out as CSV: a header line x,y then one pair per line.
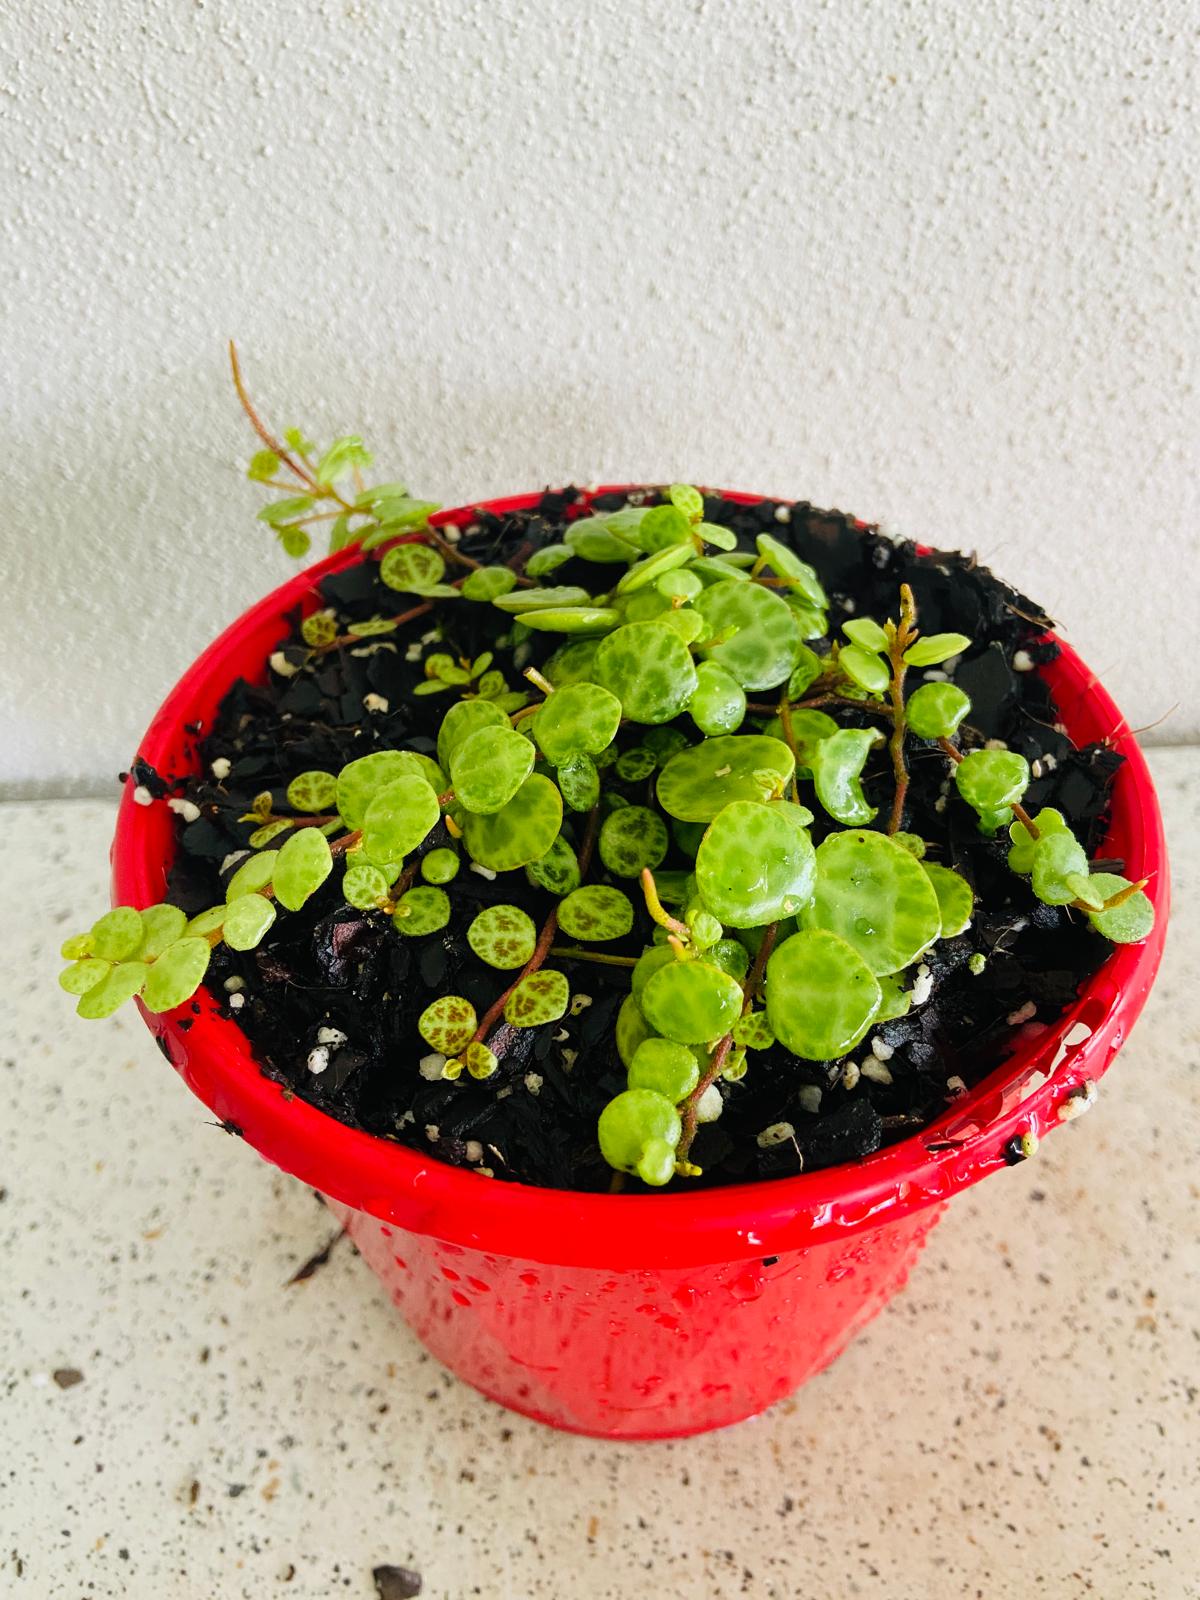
x,y
719,702
595,539
116,936
821,995
176,974
398,819
421,911
521,831
699,781
596,913
876,896
411,568
866,669
935,710
485,583
503,936
579,783
572,619
547,560
808,729
253,874
990,781
161,926
688,499
463,719
556,871
365,887
632,838
122,983
440,866
655,566
638,1132
679,585
521,601
663,526
77,946
809,667
670,1069
764,648
649,669
648,963
689,625
488,767
303,864
312,791
572,663
631,1028
360,781
1057,857
754,1031
693,1002
755,865
248,919
836,763
632,766
206,922
956,899
1020,857
787,564
85,974
865,631
580,719
541,997
731,956
447,1024
928,652
1128,923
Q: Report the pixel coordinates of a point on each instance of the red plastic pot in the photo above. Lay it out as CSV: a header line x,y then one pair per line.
x,y
639,1316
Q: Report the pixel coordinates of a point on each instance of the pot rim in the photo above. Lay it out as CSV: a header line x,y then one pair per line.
x,y
403,1187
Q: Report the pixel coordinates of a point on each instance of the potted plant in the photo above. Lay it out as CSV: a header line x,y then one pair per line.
x,y
637,911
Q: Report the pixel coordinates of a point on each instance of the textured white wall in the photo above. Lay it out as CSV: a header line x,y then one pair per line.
x,y
935,264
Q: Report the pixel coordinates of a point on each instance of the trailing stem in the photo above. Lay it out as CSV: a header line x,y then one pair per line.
x,y
900,635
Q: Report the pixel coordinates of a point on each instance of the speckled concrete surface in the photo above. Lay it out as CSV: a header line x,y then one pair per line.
x,y
1023,1421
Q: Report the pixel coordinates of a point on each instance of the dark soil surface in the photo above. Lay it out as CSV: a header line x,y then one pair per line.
x,y
330,966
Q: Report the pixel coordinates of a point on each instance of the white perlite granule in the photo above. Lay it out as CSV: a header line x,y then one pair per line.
x,y
808,1098
710,1104
279,663
850,1075
876,1070
232,859
955,1086
783,513
534,1082
777,1133
234,985
221,768
142,796
187,809
430,1066
474,1150
881,1051
318,1059
923,987
1022,1014
236,1002
375,702
332,1036
1078,1101
1022,661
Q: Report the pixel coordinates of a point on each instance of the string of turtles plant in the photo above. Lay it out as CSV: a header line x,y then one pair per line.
x,y
768,939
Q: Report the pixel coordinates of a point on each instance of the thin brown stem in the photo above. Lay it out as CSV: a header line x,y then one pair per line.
x,y
546,937
345,640
276,446
691,1106
571,953
900,637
